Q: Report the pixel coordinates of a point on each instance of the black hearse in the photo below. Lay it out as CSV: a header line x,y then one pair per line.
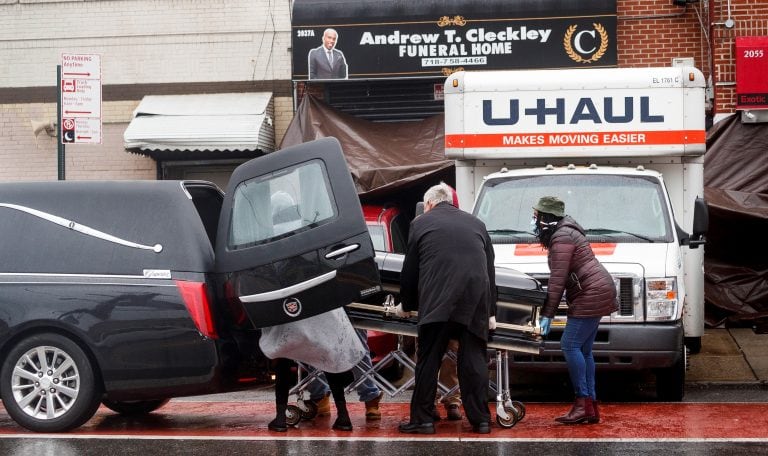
x,y
129,293
133,292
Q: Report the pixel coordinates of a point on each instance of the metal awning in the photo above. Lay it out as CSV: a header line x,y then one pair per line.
x,y
202,126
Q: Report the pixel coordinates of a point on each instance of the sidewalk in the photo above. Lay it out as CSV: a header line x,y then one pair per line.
x,y
730,356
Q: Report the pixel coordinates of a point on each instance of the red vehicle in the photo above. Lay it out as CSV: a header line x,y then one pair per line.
x,y
386,227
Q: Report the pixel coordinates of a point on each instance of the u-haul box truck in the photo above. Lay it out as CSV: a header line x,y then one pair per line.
x,y
623,148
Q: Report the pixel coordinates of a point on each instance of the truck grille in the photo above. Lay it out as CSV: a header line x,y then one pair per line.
x,y
626,304
624,296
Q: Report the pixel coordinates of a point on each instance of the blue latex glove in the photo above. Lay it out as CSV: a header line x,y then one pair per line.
x,y
544,323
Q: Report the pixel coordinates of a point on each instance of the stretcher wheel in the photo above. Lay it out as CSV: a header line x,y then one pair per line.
x,y
520,409
308,409
514,417
292,415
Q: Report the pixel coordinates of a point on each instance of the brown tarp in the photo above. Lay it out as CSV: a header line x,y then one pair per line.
x,y
392,159
384,157
736,253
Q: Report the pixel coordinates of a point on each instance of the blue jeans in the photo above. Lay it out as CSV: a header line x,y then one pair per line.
x,y
367,390
576,343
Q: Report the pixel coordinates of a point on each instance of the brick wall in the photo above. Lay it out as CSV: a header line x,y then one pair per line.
x,y
24,157
159,46
205,46
283,117
653,32
751,19
147,41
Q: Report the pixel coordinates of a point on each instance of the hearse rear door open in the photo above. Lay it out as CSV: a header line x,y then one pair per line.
x,y
292,241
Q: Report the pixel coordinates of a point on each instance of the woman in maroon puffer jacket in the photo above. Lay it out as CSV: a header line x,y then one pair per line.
x,y
589,292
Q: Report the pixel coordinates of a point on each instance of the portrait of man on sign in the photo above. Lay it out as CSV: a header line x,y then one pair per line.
x,y
325,61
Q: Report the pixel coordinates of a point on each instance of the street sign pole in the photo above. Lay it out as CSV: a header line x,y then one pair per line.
x,y
60,143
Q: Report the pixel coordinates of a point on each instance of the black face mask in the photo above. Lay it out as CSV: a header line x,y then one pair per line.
x,y
545,227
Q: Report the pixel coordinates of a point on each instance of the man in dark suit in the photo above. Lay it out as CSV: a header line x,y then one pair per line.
x,y
448,276
325,61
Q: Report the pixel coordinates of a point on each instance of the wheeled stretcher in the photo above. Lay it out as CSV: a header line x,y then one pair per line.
x,y
520,298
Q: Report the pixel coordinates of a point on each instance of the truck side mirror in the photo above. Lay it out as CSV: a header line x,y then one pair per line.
x,y
700,223
700,226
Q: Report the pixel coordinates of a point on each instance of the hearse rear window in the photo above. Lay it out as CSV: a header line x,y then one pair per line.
x,y
280,204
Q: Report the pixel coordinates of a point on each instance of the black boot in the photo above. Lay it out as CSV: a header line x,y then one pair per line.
x,y
337,382
342,423
278,424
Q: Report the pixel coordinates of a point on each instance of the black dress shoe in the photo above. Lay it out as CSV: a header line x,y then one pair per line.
x,y
277,426
481,428
417,428
342,424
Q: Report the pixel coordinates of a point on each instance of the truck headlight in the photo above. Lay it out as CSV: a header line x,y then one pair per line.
x,y
661,299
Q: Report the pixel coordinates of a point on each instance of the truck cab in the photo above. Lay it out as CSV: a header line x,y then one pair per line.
x,y
628,219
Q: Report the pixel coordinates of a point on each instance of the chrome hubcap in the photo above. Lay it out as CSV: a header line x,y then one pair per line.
x,y
45,382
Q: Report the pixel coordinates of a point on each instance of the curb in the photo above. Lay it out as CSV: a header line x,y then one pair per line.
x,y
752,385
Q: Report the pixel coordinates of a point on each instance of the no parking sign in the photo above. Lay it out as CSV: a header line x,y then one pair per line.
x,y
81,98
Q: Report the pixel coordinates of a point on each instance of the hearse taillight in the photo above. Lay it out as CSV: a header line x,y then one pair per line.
x,y
195,297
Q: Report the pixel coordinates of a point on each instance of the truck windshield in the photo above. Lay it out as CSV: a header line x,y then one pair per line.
x,y
611,208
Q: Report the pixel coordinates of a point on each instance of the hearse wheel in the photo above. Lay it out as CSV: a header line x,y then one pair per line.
x,y
48,384
134,408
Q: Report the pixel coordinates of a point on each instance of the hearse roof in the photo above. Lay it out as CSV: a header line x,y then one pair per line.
x,y
101,227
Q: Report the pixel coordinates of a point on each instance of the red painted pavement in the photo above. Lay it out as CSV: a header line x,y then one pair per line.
x,y
620,421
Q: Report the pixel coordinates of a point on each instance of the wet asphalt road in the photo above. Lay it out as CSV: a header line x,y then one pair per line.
x,y
19,447
713,419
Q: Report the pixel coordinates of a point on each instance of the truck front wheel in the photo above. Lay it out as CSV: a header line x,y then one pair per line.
x,y
670,381
693,344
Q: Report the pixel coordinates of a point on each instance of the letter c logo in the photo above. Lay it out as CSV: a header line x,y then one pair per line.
x,y
572,42
577,42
